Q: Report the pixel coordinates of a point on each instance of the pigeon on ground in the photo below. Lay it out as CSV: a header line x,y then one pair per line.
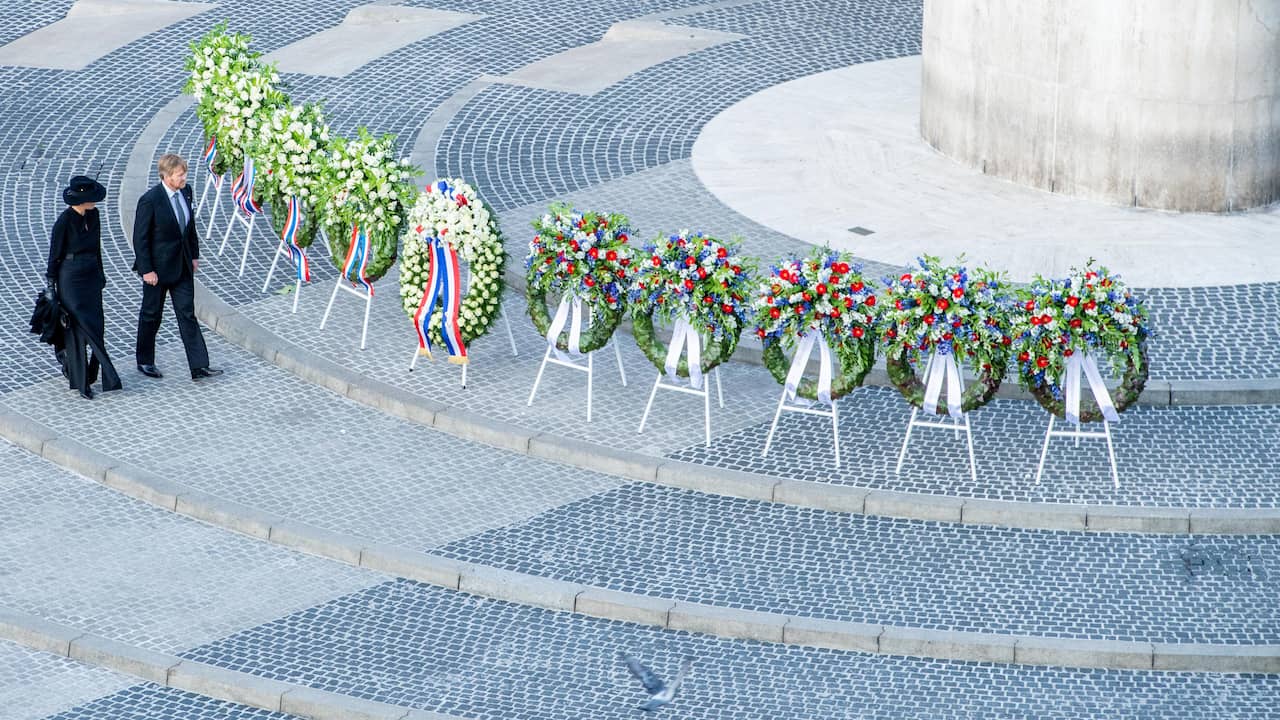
x,y
660,693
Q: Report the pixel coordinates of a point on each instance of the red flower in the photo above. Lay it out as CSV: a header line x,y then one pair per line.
x,y
571,268
821,289
848,303
622,238
1030,306
722,253
462,201
702,273
657,261
625,262
760,332
775,313
835,312
611,256
727,309
689,262
573,245
419,230
807,297
1073,301
1068,352
737,269
957,293
928,319
1024,356
871,301
897,304
856,286
858,332
891,333
942,304
906,277
1006,341
1035,320
1075,322
621,274
1042,362
593,253
1045,319
589,281
550,260
708,300
688,284
1090,305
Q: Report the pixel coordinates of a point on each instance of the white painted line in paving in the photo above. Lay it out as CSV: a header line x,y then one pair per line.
x,y
626,48
842,149
93,29
367,33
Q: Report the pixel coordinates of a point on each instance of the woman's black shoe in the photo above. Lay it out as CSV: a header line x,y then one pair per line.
x,y
87,394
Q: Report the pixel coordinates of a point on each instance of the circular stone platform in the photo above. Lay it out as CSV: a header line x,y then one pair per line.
x,y
816,157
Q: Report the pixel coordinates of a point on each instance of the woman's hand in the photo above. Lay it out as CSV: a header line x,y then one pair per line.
x,y
151,278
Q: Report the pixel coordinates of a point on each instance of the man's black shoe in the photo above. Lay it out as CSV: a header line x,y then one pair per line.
x,y
204,373
87,394
150,371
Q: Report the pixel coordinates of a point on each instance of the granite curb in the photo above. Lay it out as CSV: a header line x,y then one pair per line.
x,y
240,330
199,678
559,595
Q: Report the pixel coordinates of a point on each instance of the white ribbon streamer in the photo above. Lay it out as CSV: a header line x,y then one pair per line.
x,y
801,360
943,368
685,333
1071,387
575,326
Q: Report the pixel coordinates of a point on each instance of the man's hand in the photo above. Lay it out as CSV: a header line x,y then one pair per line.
x,y
195,266
151,278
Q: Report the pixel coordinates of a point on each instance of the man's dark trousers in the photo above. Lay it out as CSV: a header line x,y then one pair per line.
x,y
182,294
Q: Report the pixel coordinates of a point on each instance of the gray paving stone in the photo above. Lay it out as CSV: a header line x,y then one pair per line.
x,y
34,684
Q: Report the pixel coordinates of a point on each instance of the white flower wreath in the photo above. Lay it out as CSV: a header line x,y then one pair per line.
x,y
452,211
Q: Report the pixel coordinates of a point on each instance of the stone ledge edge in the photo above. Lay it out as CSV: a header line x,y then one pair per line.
x,y
195,677
253,337
532,590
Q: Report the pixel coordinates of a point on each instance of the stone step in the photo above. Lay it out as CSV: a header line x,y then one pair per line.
x,y
674,558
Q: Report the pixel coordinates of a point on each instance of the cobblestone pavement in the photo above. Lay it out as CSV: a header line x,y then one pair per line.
x,y
538,517
421,646
80,554
156,580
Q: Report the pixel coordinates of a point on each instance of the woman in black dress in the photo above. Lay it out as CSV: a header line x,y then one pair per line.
x,y
75,269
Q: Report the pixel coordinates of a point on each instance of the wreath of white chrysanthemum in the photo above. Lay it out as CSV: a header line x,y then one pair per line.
x,y
452,211
363,184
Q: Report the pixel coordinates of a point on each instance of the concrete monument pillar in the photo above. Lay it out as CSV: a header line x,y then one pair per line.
x,y
1171,104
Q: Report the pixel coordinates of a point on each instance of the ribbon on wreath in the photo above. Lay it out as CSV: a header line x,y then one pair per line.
x,y
290,238
242,190
684,333
358,260
1076,362
943,368
211,154
444,284
801,360
567,302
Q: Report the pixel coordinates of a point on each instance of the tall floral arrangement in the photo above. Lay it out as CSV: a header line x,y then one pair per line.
x,y
292,150
235,92
366,191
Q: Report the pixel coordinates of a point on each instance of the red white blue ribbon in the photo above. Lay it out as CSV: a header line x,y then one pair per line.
x,y
210,154
290,238
242,190
358,260
444,285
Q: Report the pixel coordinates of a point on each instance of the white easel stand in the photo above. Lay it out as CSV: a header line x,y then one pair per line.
x,y
704,393
961,425
247,223
297,284
1078,434
805,407
217,196
957,425
366,295
589,369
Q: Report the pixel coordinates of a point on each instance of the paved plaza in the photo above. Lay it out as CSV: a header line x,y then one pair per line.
x,y
320,532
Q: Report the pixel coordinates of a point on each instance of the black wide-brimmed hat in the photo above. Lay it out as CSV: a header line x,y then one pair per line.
x,y
83,189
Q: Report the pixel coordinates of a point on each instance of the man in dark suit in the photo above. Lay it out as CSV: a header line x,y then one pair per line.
x,y
166,253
